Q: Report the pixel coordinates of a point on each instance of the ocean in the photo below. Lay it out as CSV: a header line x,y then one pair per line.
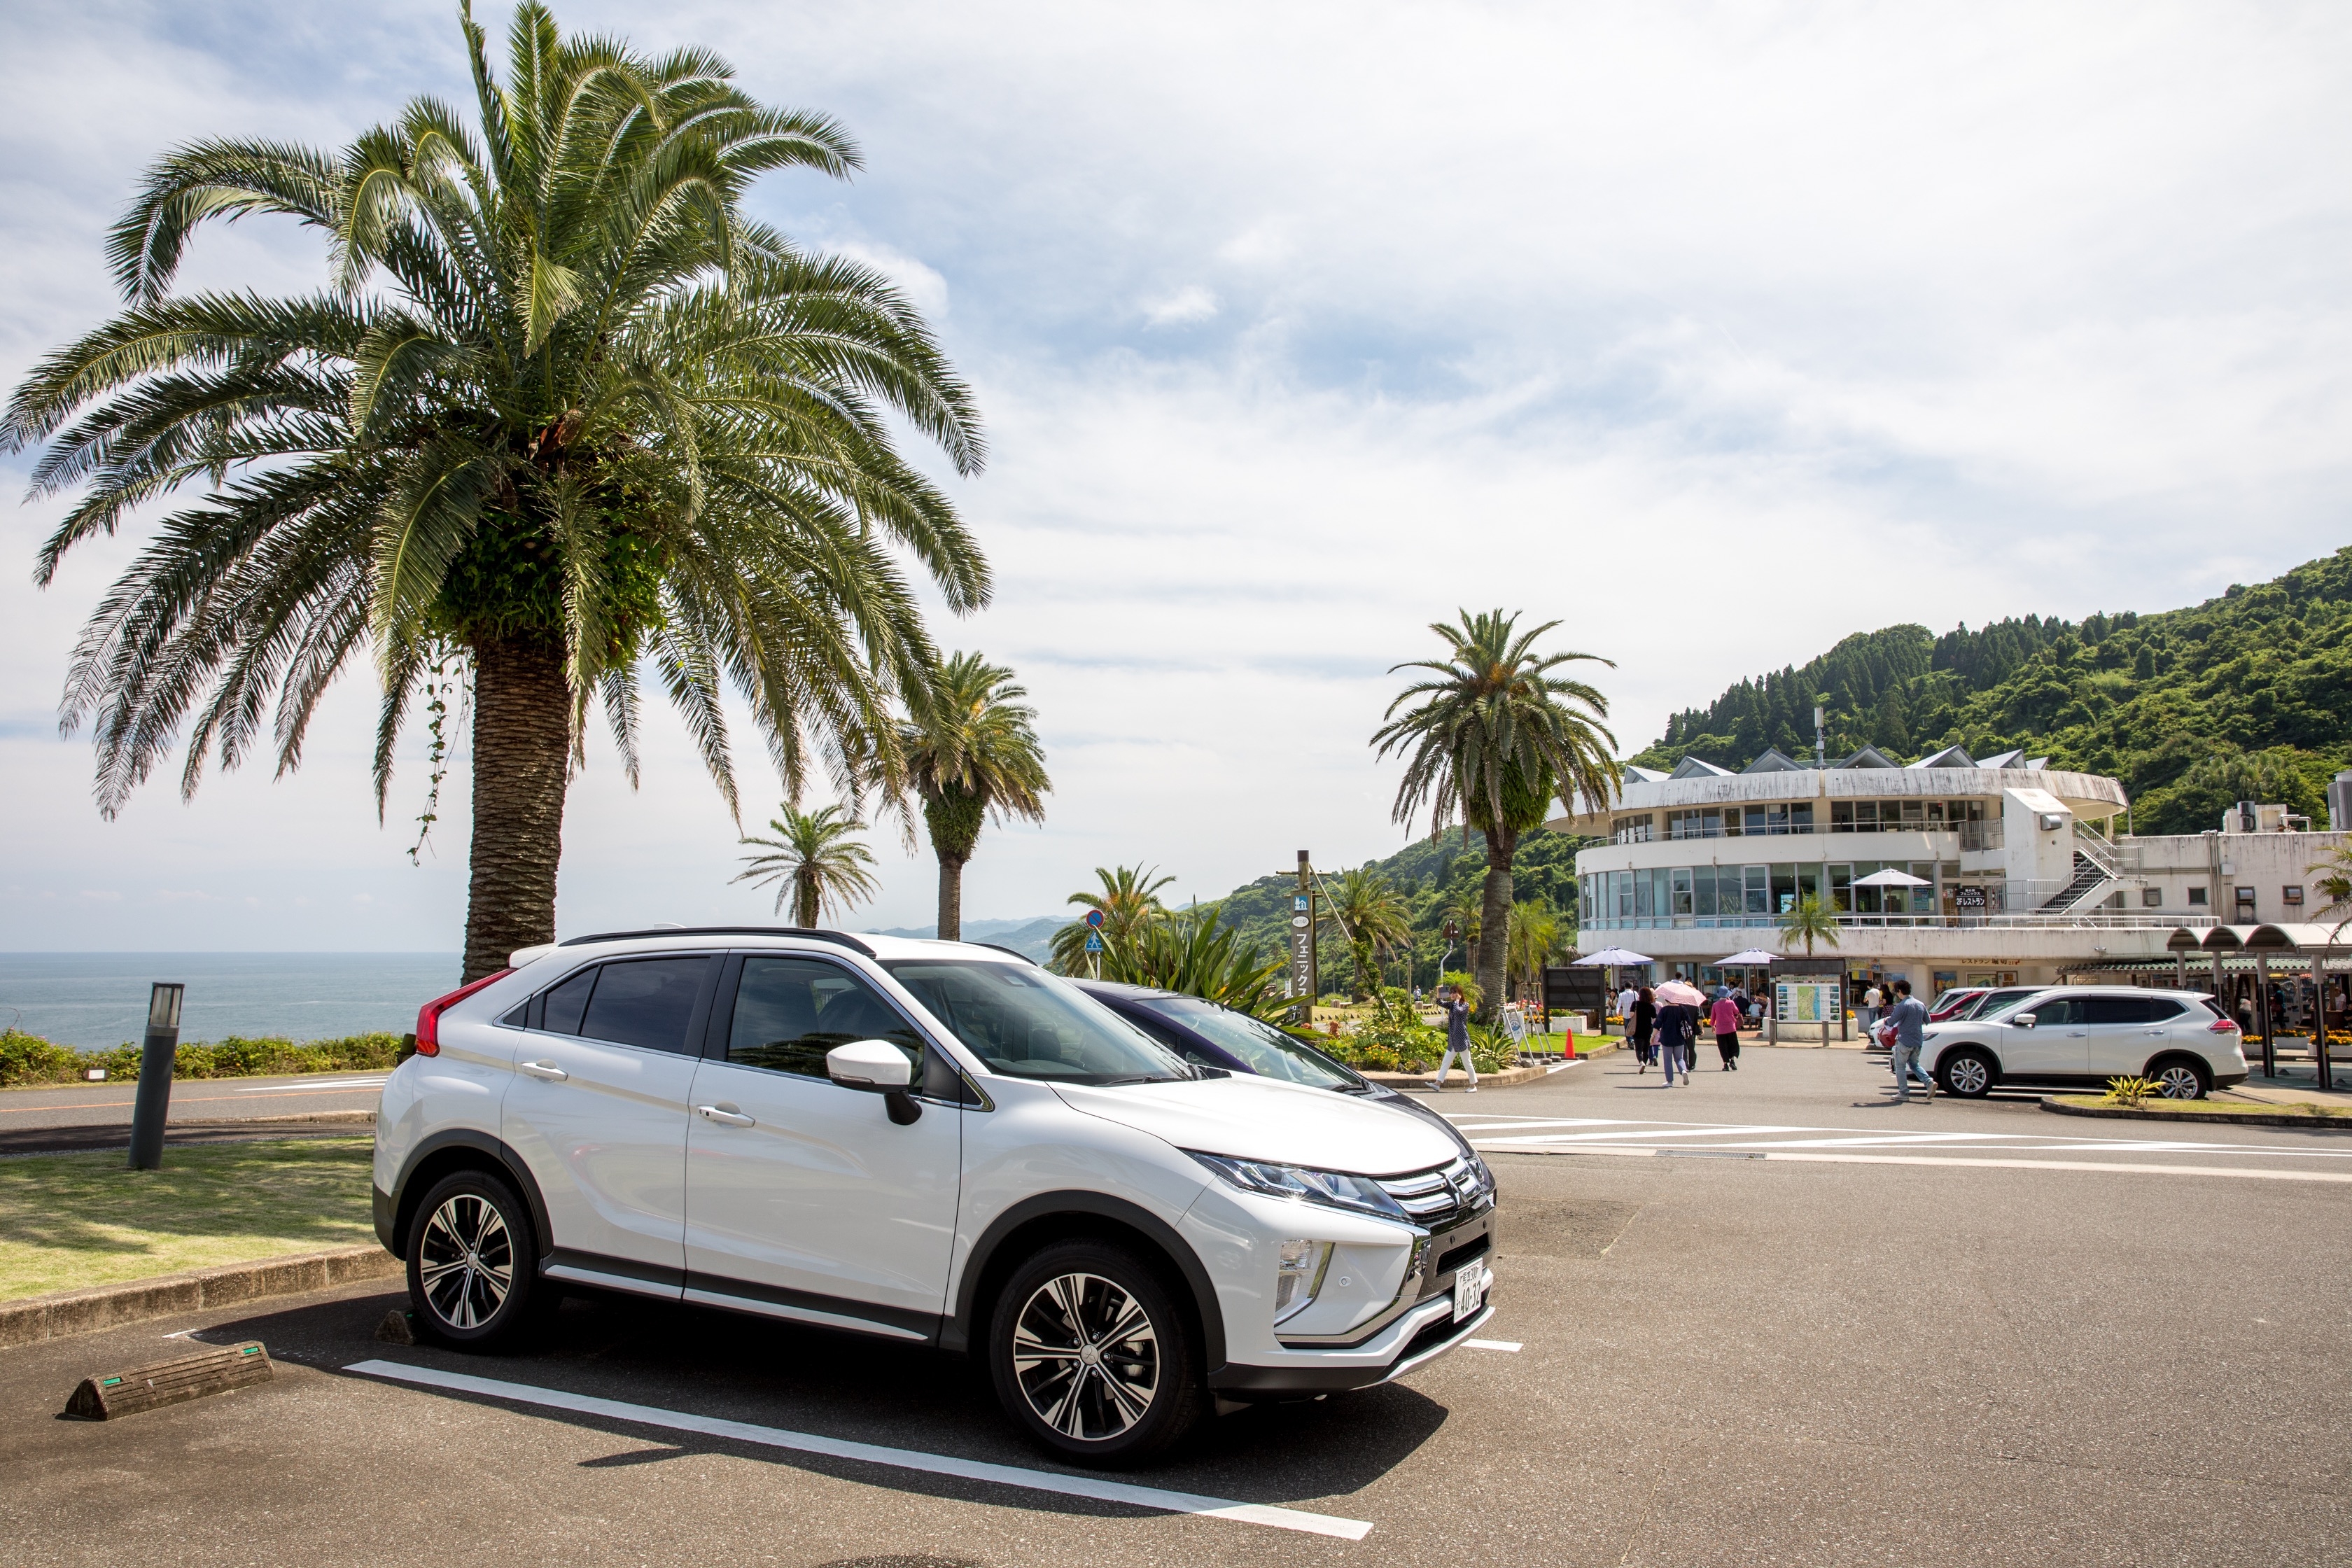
x,y
95,1000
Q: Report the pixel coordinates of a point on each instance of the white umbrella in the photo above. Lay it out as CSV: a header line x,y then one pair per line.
x,y
1752,957
1616,958
1891,878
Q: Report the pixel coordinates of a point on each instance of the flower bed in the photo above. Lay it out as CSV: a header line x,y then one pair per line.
x,y
30,1059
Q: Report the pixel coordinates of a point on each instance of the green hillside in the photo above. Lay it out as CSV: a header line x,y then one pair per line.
x,y
2246,695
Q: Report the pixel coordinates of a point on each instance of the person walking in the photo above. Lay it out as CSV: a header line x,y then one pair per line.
x,y
1678,1007
1451,1002
1909,1018
1626,1000
1725,1017
1869,1009
1639,1023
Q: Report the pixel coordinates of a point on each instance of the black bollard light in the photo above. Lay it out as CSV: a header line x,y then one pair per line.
x,y
153,1107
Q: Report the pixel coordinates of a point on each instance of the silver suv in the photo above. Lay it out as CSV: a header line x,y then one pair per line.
x,y
929,1142
2074,1036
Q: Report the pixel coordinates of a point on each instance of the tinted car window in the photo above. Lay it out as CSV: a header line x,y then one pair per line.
x,y
567,1001
644,1002
2116,1010
789,1012
1026,1023
1264,1048
2160,1008
2051,1010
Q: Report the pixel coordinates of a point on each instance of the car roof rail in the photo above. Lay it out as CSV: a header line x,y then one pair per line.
x,y
1015,952
838,938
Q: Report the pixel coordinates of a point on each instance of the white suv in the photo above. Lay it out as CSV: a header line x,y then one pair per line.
x,y
933,1142
2068,1035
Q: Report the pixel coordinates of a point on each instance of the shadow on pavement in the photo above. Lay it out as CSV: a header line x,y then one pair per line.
x,y
722,1365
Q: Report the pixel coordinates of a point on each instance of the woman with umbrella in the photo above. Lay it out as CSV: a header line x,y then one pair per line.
x,y
1678,1008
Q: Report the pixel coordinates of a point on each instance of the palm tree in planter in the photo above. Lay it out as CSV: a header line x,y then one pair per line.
x,y
972,753
560,413
815,860
1129,900
1493,734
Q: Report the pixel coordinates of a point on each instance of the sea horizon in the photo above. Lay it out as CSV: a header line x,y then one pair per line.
x,y
94,1000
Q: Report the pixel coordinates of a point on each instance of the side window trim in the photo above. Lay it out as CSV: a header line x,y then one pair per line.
x,y
720,1027
705,1000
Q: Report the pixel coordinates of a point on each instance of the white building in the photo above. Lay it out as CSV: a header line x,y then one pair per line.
x,y
2027,872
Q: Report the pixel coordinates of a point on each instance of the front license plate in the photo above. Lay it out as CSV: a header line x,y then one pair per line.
x,y
1469,1289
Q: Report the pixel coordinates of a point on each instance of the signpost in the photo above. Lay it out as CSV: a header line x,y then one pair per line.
x,y
1302,943
1094,940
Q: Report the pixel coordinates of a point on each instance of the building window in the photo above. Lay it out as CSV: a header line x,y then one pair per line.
x,y
1693,825
2245,903
2152,897
2197,898
2290,894
1632,829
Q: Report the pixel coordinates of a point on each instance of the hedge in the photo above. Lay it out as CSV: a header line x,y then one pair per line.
x,y
28,1059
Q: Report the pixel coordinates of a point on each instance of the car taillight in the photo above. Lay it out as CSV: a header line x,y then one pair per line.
x,y
428,1017
2221,1027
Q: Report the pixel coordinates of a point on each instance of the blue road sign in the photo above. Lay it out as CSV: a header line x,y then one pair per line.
x,y
1095,919
1094,942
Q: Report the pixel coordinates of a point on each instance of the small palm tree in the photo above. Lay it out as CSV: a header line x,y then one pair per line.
x,y
1195,955
815,862
1374,917
1129,900
1493,735
1808,920
973,753
561,413
1536,937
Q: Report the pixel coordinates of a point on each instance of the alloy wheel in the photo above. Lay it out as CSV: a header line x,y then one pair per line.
x,y
1969,1076
467,1262
2178,1080
1086,1356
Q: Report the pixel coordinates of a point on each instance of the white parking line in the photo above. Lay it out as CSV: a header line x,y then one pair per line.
x,y
1587,1150
1494,1344
871,1453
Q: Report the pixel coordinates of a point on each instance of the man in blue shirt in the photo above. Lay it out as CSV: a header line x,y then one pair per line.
x,y
1457,1035
1909,1017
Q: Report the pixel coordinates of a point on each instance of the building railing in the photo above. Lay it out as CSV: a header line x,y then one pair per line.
x,y
2033,919
1986,835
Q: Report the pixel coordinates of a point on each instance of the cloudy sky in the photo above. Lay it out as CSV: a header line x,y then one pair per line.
x,y
1713,332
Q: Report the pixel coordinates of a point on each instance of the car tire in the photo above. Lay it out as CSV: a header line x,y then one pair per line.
x,y
2178,1078
473,1264
1972,1075
1094,1355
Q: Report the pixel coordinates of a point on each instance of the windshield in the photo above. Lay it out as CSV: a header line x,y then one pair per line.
x,y
1994,1003
1264,1049
1024,1022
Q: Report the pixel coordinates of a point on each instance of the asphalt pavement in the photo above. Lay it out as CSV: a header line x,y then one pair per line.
x,y
62,1117
1883,1352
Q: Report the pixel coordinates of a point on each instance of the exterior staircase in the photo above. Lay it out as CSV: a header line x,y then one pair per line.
x,y
2090,881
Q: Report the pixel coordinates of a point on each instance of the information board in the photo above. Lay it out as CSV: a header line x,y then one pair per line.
x,y
1807,1001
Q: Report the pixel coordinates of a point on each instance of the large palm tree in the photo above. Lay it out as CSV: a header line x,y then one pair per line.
x,y
815,860
1492,734
972,753
1375,920
560,413
1129,900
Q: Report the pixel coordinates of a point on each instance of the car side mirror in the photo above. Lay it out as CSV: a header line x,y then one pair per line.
x,y
2023,1021
879,1067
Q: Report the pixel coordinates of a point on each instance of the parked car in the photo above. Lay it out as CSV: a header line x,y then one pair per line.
x,y
1952,1001
932,1144
2070,1036
1987,1004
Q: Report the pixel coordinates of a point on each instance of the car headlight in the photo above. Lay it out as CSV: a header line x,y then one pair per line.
x,y
1298,1277
1358,1195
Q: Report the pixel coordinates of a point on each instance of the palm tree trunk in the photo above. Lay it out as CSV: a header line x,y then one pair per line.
x,y
522,763
1495,922
951,896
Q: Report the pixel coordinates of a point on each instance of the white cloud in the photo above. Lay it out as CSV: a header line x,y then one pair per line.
x,y
1186,305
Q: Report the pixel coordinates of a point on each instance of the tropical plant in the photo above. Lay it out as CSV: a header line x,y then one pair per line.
x,y
815,860
2130,1091
1492,734
1394,1036
561,411
1472,992
1808,921
1128,900
1374,919
1536,937
972,753
1196,955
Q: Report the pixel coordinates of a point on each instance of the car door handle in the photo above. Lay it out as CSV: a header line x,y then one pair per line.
x,y
2078,1034
726,1113
547,1070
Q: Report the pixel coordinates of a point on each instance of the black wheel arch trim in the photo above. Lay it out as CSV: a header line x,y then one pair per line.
x,y
395,1211
955,1333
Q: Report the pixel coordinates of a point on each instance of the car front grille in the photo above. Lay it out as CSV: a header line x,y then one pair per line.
x,y
1437,1198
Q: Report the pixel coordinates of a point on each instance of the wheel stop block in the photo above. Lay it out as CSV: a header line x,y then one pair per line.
x,y
395,1329
106,1396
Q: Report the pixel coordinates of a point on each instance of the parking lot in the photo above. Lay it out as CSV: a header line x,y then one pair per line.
x,y
1765,1319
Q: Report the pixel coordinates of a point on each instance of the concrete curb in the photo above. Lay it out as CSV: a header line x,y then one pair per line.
x,y
40,1318
2230,1118
1504,1079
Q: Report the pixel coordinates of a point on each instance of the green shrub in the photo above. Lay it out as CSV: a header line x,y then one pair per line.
x,y
28,1059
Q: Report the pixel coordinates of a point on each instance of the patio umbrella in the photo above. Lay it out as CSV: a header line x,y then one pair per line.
x,y
1616,958
1753,957
1890,877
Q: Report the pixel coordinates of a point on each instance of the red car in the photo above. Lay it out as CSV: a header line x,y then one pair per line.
x,y
1952,1001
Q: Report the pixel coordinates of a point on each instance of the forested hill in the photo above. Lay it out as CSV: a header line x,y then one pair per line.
x,y
2247,695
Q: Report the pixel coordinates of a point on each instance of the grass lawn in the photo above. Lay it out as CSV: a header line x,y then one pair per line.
x,y
2218,1108
67,1221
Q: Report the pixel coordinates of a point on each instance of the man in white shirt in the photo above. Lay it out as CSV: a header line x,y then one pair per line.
x,y
1626,1000
1869,1008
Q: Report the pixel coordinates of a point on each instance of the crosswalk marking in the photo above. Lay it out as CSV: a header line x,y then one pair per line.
x,y
1598,1135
